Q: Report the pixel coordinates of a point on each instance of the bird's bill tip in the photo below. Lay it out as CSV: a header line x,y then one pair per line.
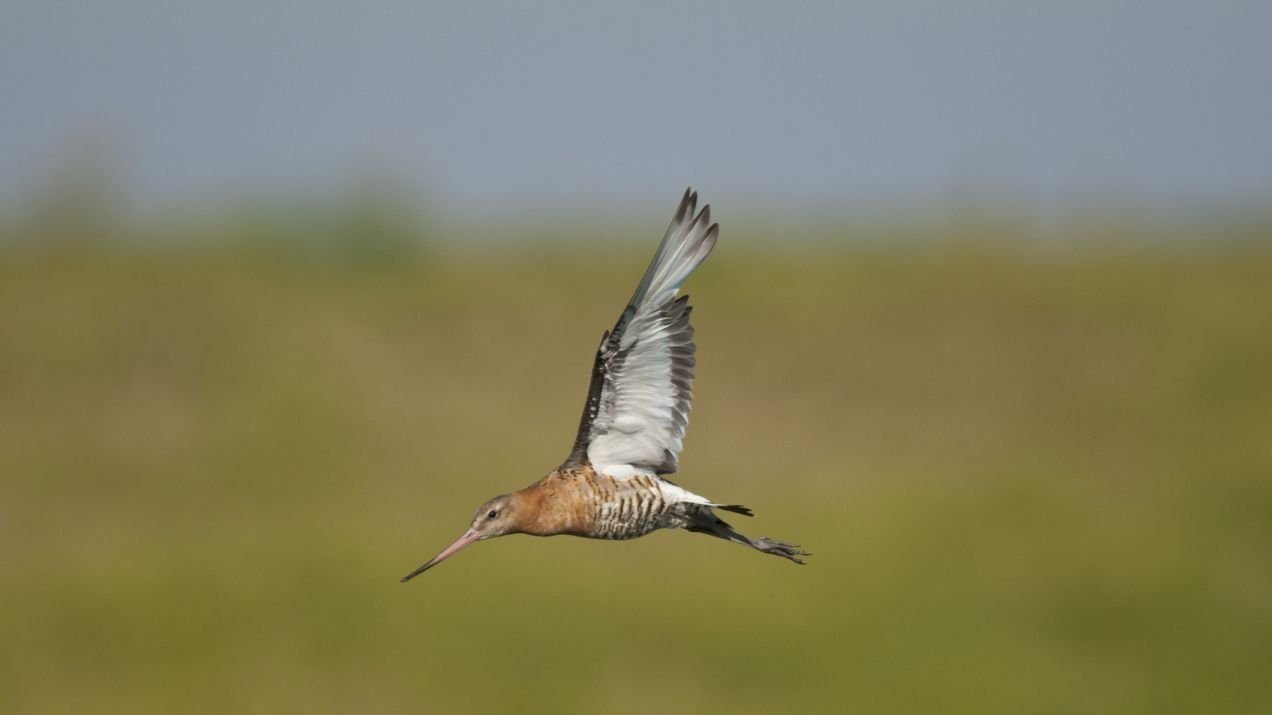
x,y
469,537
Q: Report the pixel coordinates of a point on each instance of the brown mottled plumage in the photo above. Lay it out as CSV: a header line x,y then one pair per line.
x,y
611,485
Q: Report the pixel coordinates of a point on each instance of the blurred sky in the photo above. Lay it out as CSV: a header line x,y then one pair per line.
x,y
495,104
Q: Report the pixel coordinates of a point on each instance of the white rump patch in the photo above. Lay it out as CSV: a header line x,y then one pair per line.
x,y
624,471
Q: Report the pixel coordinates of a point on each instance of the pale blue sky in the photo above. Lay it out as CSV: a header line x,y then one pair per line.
x,y
490,104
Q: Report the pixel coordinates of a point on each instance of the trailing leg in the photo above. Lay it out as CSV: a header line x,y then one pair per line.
x,y
705,522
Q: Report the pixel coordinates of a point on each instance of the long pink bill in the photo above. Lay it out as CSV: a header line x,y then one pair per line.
x,y
469,537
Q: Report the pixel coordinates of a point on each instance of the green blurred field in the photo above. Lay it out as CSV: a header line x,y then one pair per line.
x,y
1033,481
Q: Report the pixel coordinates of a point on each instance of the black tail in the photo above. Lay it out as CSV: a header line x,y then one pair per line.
x,y
705,522
735,508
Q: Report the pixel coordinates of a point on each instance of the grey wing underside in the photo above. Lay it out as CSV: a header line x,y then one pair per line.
x,y
642,380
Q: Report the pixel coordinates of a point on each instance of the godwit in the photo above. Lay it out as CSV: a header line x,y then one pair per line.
x,y
612,485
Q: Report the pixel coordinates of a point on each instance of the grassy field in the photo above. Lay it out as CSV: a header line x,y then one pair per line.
x,y
1033,481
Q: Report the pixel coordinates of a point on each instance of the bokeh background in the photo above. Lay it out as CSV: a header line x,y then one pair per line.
x,y
287,290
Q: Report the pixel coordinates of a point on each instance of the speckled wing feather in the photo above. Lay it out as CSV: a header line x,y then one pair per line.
x,y
642,381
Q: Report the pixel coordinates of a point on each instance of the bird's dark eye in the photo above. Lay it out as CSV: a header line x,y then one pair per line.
x,y
493,513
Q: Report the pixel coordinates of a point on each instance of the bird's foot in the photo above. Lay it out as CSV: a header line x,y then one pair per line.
x,y
785,549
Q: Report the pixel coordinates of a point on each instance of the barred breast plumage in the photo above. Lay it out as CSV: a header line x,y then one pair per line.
x,y
624,508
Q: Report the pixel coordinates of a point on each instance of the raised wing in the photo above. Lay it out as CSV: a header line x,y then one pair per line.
x,y
642,381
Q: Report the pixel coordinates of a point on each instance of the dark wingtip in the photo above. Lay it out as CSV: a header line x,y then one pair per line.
x,y
736,509
687,204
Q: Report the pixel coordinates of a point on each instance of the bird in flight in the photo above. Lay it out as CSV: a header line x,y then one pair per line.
x,y
613,484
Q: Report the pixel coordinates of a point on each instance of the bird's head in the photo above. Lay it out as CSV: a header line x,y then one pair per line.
x,y
497,517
